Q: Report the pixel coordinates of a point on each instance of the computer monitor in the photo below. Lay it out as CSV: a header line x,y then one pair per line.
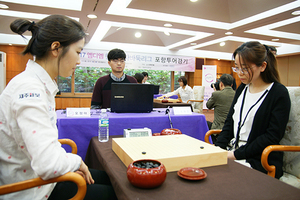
x,y
131,97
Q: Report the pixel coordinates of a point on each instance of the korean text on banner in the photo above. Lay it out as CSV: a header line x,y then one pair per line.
x,y
98,58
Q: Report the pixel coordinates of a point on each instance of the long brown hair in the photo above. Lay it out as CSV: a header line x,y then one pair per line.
x,y
256,53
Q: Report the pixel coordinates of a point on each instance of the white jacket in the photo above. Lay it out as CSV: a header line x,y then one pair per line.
x,y
185,94
29,146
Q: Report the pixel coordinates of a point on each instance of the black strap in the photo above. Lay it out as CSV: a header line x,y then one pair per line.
x,y
241,111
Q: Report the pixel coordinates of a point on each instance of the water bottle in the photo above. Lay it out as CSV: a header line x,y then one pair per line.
x,y
103,130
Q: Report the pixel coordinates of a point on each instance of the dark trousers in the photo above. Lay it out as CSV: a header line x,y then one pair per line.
x,y
100,190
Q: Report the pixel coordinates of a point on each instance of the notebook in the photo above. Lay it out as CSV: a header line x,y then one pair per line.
x,y
131,97
156,89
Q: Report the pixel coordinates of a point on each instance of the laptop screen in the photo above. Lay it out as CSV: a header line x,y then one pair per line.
x,y
131,97
156,89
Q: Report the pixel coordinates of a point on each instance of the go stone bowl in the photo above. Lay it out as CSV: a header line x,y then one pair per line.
x,y
141,176
170,131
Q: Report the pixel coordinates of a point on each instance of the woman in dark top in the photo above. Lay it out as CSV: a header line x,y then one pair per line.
x,y
259,111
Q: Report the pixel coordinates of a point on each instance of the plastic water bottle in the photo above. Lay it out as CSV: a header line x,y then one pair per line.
x,y
103,130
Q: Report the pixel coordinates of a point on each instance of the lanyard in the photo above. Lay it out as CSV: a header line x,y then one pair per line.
x,y
241,111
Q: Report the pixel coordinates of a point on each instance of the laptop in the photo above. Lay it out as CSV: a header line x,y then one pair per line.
x,y
156,89
131,98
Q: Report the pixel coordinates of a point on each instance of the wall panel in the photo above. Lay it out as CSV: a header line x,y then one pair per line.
x,y
294,71
283,69
85,102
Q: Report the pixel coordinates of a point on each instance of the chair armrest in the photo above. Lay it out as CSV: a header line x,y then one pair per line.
x,y
264,157
194,101
209,133
70,143
70,176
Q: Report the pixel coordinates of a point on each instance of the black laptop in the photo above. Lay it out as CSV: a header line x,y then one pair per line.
x,y
131,97
156,89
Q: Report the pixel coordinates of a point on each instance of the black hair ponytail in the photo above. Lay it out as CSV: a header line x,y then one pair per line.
x,y
50,29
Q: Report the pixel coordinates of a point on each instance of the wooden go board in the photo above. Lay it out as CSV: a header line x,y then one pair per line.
x,y
174,151
169,100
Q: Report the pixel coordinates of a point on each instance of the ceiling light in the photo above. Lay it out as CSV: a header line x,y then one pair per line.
x,y
92,16
194,43
167,33
275,39
168,25
137,34
296,12
3,6
222,44
228,33
193,0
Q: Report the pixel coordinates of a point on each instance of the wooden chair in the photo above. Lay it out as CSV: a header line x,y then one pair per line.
x,y
199,96
289,144
209,133
264,157
70,176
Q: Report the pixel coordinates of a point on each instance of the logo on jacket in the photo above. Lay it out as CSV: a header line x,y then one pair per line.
x,y
29,95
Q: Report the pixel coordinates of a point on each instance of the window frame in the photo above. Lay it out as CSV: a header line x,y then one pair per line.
x,y
85,94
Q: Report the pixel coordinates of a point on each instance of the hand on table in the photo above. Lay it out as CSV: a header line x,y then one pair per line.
x,y
85,173
230,155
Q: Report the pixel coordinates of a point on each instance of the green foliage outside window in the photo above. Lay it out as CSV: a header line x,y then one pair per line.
x,y
64,84
156,77
86,77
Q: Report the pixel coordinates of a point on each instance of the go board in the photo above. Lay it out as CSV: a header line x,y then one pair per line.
x,y
174,151
169,100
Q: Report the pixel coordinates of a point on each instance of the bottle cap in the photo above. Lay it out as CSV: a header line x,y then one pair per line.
x,y
103,110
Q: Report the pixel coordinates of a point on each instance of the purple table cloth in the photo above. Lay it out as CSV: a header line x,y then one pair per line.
x,y
158,95
81,130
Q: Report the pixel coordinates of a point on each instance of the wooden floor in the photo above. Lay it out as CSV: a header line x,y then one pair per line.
x,y
209,115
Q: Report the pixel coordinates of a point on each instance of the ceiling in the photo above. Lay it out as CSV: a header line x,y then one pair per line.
x,y
203,23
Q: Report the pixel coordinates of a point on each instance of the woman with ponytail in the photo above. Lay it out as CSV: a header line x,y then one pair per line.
x,y
259,111
29,146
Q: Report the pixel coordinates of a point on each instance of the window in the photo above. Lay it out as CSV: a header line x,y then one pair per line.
x,y
86,77
64,84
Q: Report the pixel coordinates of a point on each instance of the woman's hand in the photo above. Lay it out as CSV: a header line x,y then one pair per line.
x,y
85,173
230,155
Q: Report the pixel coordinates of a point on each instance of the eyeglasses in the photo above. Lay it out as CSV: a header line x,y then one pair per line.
x,y
237,70
118,60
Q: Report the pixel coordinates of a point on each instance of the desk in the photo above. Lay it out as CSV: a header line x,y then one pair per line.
x,y
81,130
165,105
231,181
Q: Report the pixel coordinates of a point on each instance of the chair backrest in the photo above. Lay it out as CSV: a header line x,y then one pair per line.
x,y
198,95
291,160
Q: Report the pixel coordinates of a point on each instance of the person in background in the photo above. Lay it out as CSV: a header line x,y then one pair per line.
x,y
102,89
139,77
184,91
220,101
29,146
146,76
233,84
260,109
